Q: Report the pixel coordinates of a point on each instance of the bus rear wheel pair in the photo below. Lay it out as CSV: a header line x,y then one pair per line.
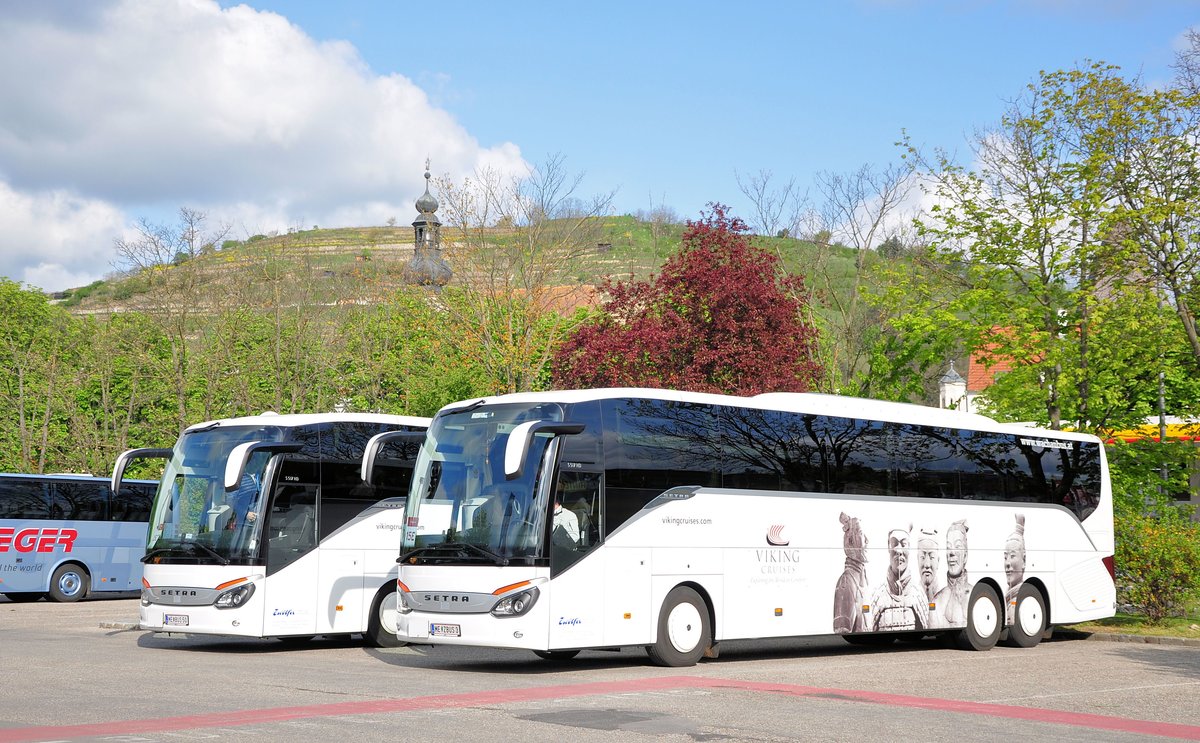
x,y
985,619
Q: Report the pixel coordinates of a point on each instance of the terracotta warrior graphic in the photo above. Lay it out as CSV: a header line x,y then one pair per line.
x,y
1014,565
950,603
852,585
927,561
899,603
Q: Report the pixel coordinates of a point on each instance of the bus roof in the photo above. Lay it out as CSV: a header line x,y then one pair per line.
x,y
289,420
69,476
797,402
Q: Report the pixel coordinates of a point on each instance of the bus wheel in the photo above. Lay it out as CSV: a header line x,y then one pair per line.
x,y
23,597
984,619
381,626
1029,618
683,630
556,655
69,583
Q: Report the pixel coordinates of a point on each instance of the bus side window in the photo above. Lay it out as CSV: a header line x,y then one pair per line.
x,y
78,500
22,498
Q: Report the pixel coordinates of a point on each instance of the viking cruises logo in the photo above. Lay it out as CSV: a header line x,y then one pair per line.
x,y
775,536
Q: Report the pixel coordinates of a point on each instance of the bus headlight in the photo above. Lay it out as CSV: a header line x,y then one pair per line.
x,y
402,605
235,597
516,604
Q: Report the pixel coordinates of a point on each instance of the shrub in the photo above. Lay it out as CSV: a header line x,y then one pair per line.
x,y
1157,561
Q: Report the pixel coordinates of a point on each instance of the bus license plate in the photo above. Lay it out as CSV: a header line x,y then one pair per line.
x,y
445,630
175,620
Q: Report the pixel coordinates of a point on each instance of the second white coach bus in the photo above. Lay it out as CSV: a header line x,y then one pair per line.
x,y
563,521
263,527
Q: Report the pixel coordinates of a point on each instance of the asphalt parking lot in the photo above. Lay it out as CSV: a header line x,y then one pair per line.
x,y
84,672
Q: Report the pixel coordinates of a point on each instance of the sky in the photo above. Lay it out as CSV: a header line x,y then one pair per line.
x,y
277,115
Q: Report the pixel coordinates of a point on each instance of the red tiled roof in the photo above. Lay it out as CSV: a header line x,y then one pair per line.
x,y
981,376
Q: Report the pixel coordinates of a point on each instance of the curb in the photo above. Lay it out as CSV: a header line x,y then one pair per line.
x,y
1136,639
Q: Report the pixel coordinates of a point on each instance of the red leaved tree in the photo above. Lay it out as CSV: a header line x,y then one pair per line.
x,y
720,317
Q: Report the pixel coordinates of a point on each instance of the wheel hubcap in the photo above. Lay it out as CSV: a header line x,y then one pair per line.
x,y
388,614
69,584
1029,615
983,617
683,628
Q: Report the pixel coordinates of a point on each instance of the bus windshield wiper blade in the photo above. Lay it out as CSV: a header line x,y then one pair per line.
x,y
484,552
184,548
224,560
465,408
202,429
160,551
450,549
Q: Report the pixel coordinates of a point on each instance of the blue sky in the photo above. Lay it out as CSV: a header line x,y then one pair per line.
x,y
280,114
671,98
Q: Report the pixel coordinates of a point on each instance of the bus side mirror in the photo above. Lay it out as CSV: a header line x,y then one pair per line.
x,y
376,444
517,447
235,466
130,455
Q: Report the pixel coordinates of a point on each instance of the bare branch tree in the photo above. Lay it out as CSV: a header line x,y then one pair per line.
x,y
860,210
770,203
160,257
513,243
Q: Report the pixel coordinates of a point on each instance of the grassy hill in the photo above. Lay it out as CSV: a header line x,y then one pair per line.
x,y
329,258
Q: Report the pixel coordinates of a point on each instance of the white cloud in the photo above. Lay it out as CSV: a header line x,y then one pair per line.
x,y
235,112
55,239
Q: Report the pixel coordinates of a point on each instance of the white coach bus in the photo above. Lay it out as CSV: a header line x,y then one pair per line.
x,y
262,527
562,521
67,536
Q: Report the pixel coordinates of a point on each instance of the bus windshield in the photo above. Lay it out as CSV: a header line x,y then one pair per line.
x,y
194,518
460,507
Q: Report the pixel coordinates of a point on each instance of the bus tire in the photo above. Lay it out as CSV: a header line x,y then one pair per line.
x,y
381,625
69,583
684,630
1029,618
24,597
556,656
985,619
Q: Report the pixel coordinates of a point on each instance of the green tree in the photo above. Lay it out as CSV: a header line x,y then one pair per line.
x,y
38,345
1025,233
403,357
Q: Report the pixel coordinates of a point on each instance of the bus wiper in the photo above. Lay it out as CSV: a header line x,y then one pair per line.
x,y
183,548
224,560
449,549
159,551
209,427
465,408
484,552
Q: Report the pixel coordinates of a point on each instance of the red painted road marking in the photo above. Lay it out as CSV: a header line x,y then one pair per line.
x,y
510,696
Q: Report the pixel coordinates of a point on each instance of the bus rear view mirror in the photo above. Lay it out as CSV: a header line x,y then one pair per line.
x,y
517,448
376,444
235,466
130,455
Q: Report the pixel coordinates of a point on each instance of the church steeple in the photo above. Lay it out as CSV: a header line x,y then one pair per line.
x,y
427,266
